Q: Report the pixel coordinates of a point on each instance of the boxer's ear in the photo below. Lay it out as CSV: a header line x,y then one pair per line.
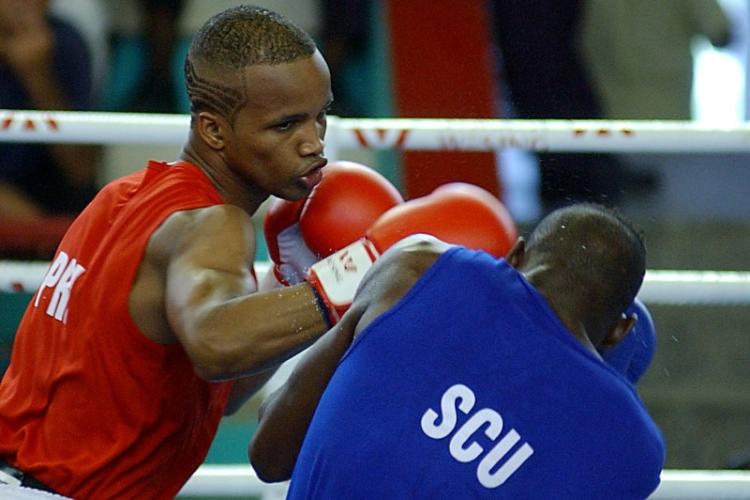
x,y
620,330
517,254
211,128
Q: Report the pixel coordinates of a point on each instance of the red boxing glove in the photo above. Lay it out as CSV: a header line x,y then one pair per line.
x,y
338,211
346,202
290,256
458,213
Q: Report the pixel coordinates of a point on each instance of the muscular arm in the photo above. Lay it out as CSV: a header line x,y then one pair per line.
x,y
286,414
246,387
227,328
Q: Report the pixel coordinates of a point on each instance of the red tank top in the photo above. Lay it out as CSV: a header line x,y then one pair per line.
x,y
89,405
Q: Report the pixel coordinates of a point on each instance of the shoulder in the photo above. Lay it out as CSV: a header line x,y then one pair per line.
x,y
213,216
414,255
394,274
216,225
417,252
402,264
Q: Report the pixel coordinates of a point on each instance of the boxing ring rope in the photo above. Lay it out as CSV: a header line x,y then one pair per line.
x,y
397,133
660,286
228,481
674,287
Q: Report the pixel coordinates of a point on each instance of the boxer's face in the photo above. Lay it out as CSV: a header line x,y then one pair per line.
x,y
276,142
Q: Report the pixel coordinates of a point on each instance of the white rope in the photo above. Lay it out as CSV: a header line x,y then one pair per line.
x,y
539,135
399,133
92,127
695,287
433,134
216,481
240,481
21,276
659,286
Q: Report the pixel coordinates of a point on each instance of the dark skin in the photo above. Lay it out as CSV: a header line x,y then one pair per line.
x,y
193,285
286,414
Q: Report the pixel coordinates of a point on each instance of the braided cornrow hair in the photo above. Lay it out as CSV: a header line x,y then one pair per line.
x,y
232,40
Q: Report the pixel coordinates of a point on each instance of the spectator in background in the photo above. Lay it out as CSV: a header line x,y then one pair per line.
x,y
44,65
640,56
344,38
90,18
145,71
639,53
546,78
156,91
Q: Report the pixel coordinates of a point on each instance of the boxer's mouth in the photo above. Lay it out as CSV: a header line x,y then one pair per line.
x,y
314,175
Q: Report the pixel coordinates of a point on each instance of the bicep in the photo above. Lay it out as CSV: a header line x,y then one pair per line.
x,y
210,264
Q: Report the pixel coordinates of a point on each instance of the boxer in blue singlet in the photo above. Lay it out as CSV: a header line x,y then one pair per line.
x,y
457,375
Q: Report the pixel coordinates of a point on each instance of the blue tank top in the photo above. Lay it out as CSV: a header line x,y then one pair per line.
x,y
471,387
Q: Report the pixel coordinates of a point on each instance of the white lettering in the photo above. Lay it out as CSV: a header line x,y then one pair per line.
x,y
492,458
447,406
58,304
53,275
62,274
463,448
459,439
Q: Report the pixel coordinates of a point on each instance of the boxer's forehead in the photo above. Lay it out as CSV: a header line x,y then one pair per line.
x,y
297,87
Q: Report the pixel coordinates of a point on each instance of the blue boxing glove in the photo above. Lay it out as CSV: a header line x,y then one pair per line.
x,y
633,354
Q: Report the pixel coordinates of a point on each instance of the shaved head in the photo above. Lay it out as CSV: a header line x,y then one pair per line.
x,y
599,254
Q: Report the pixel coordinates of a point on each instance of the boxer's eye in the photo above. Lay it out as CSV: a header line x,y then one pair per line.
x,y
324,113
284,126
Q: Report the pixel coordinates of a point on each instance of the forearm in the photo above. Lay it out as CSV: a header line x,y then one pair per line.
x,y
244,388
229,329
286,414
249,334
